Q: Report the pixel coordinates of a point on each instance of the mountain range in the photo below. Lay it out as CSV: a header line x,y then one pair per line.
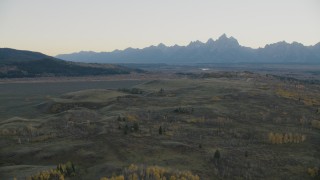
x,y
223,50
19,63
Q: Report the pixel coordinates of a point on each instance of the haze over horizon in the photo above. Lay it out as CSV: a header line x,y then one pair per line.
x,y
58,27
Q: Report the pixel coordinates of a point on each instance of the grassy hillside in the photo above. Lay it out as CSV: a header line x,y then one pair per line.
x,y
8,55
17,64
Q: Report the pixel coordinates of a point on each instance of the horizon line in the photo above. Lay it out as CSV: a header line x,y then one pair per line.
x,y
168,46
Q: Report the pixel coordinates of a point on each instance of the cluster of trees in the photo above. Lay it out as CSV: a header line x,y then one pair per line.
x,y
131,91
68,169
283,138
27,133
63,170
132,124
130,128
27,130
134,172
47,175
121,119
295,80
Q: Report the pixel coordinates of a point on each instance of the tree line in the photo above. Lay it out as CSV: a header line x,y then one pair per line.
x,y
284,138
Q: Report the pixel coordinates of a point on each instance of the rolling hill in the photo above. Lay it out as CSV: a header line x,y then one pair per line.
x,y
223,50
17,63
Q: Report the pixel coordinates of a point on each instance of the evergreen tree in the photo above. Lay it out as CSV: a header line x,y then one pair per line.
x,y
136,126
126,128
217,155
160,130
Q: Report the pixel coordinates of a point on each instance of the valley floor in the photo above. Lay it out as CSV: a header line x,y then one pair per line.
x,y
263,126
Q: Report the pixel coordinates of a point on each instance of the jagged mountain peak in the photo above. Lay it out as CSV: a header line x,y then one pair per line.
x,y
224,40
161,45
196,43
284,44
210,41
223,50
223,36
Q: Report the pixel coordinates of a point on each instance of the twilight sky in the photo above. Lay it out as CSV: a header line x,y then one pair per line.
x,y
64,26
